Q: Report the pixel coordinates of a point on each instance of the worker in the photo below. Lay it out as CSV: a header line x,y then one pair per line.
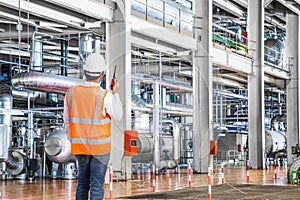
x,y
88,112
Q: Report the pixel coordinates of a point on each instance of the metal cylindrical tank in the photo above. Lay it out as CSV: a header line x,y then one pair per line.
x,y
145,153
58,147
86,45
5,125
169,146
187,143
37,55
275,141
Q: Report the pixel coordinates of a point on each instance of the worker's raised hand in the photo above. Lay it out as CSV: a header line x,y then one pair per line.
x,y
115,88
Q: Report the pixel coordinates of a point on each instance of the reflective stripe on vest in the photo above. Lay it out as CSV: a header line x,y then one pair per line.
x,y
90,121
86,141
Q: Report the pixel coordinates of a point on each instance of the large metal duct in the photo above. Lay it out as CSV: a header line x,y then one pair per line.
x,y
169,146
275,52
44,82
275,141
24,95
16,163
58,147
18,94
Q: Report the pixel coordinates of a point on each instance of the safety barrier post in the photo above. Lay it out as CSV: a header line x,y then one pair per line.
x,y
247,171
222,173
153,179
209,183
110,182
190,175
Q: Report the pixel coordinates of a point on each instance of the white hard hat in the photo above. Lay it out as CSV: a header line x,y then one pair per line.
x,y
95,63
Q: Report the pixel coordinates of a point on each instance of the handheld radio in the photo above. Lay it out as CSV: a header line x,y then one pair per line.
x,y
114,79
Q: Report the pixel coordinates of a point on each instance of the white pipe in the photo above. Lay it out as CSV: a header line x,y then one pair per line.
x,y
156,156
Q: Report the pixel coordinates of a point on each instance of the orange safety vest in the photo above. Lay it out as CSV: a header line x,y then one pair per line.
x,y
89,128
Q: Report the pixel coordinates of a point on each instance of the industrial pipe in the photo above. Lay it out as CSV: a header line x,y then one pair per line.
x,y
44,82
5,125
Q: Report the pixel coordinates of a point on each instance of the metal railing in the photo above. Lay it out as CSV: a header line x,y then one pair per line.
x,y
180,19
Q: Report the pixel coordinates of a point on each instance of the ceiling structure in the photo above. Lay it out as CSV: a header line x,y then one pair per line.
x,y
71,16
19,19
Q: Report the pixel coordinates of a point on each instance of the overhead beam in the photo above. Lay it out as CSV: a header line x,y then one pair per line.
x,y
92,9
242,3
44,12
26,21
224,4
290,7
274,22
51,24
267,2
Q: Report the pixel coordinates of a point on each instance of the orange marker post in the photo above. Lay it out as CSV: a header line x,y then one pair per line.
x,y
190,175
223,179
153,179
209,183
247,171
110,182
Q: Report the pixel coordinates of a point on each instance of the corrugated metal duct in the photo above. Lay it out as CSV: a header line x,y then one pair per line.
x,y
44,82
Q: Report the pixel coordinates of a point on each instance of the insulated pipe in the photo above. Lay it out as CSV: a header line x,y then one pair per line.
x,y
166,84
24,95
11,162
156,136
37,56
31,136
16,163
5,125
44,82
